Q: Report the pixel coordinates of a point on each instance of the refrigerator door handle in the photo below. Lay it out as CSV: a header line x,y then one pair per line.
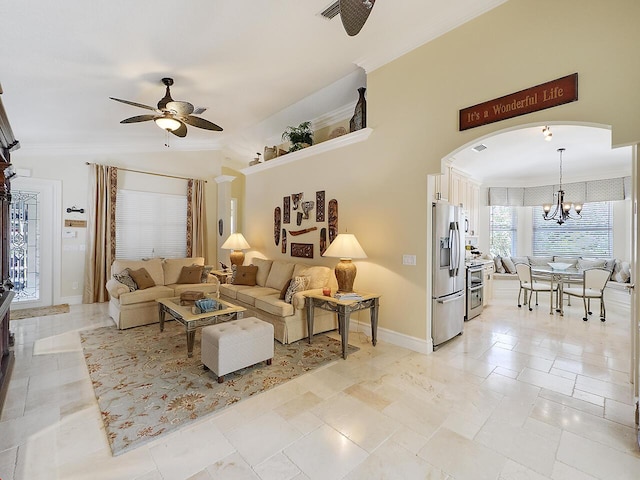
x,y
449,300
454,244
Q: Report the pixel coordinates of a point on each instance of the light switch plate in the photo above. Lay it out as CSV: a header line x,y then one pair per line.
x,y
409,260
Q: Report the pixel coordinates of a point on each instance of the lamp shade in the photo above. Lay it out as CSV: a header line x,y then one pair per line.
x,y
345,245
236,241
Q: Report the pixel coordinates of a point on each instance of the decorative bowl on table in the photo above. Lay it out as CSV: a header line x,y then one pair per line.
x,y
559,266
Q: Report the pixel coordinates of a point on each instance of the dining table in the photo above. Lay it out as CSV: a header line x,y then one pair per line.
x,y
558,277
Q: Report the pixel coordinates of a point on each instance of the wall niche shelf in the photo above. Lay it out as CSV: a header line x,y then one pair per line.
x,y
326,146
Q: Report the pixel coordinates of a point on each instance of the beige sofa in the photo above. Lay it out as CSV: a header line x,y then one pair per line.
x,y
262,300
131,309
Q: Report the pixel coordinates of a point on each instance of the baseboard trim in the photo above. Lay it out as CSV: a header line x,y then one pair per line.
x,y
401,340
73,300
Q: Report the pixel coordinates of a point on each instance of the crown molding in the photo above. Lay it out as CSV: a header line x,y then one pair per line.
x,y
122,148
224,178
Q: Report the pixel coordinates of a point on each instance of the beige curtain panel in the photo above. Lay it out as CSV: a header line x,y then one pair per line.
x,y
101,232
196,219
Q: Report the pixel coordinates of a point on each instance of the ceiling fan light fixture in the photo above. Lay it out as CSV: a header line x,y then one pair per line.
x,y
167,123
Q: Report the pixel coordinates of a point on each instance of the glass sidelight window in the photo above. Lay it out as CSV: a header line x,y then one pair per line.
x,y
24,255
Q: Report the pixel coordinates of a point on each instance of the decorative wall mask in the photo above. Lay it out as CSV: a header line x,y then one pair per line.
x,y
299,219
320,206
304,250
286,210
306,208
284,241
323,240
276,225
295,198
333,219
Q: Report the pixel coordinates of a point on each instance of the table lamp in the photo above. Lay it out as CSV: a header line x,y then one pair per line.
x,y
345,247
236,242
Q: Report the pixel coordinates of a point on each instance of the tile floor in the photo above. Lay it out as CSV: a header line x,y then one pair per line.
x,y
521,395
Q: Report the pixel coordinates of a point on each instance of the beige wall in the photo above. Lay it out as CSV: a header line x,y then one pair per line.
x,y
73,172
413,106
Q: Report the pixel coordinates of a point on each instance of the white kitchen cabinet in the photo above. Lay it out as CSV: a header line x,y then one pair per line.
x,y
466,192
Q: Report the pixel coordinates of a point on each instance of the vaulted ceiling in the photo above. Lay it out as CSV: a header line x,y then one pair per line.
x,y
244,60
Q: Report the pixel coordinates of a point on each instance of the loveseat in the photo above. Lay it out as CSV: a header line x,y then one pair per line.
x,y
133,304
272,291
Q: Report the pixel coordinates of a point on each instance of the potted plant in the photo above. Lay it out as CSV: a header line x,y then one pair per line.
x,y
300,136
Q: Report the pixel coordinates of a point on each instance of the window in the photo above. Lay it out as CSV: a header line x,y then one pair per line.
x,y
590,235
503,237
150,225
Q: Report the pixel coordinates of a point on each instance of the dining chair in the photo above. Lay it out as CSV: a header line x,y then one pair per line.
x,y
529,284
593,285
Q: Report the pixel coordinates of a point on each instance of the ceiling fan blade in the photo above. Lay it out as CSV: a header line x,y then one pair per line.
x,y
201,123
354,14
199,110
134,104
180,132
180,108
138,118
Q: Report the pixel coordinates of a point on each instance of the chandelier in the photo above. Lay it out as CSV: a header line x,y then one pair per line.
x,y
562,211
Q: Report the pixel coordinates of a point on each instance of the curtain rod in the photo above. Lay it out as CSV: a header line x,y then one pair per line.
x,y
150,173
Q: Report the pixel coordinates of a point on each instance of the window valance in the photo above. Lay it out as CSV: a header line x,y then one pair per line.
x,y
579,192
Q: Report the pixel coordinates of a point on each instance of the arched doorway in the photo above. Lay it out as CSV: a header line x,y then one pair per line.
x,y
526,159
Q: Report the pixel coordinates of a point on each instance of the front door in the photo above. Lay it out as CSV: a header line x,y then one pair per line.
x,y
31,242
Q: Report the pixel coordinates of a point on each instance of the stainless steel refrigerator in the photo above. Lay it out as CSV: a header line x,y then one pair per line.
x,y
448,302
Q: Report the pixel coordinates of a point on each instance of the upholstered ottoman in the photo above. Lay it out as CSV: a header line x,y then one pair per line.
x,y
230,346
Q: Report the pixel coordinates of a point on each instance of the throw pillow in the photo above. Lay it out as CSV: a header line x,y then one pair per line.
x,y
609,263
246,275
124,277
234,271
206,270
622,272
191,274
142,278
283,292
509,266
540,261
499,265
298,284
517,260
587,264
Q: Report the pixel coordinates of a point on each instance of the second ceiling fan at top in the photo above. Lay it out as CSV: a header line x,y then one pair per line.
x,y
354,14
172,116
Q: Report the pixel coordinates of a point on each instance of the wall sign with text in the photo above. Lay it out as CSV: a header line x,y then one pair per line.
x,y
546,95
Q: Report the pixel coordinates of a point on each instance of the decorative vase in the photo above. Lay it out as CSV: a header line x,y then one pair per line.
x,y
359,119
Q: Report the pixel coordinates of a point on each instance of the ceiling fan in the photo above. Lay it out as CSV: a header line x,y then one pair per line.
x,y
172,116
354,14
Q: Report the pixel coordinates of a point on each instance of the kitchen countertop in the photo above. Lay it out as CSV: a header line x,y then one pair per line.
x,y
477,261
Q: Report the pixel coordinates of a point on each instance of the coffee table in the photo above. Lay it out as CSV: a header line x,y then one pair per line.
x,y
185,315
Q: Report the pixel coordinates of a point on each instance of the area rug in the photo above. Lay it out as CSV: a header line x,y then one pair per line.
x,y
146,385
39,311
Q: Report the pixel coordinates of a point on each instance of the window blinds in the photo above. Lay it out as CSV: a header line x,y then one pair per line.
x,y
150,225
593,233
581,192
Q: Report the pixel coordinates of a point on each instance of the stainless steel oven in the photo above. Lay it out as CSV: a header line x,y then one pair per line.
x,y
475,287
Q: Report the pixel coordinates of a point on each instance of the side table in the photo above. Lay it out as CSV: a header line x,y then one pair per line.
x,y
222,275
344,308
